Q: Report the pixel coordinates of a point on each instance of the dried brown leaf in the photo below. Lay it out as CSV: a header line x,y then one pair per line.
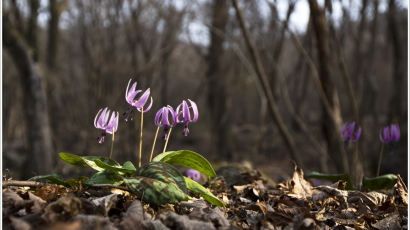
x,y
390,222
299,187
19,224
63,209
400,190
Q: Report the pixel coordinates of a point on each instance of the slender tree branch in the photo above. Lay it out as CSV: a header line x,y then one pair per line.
x,y
266,87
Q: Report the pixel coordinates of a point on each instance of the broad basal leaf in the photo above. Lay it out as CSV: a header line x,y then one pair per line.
x,y
155,191
163,172
188,159
89,161
105,177
198,189
127,169
381,182
53,178
332,178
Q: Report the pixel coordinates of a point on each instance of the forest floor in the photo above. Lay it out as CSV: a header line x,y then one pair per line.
x,y
251,203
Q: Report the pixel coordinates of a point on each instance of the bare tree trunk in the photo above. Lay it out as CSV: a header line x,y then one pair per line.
x,y
398,111
53,33
32,28
289,141
369,95
331,129
356,167
216,81
39,158
169,42
358,68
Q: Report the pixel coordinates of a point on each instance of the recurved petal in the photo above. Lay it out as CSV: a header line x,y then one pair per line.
x,y
358,133
165,120
142,100
194,110
178,113
350,130
173,115
96,117
110,124
132,95
127,92
386,135
394,132
149,106
106,118
185,112
157,116
102,120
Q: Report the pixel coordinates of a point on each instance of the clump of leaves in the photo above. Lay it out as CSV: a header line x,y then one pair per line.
x,y
349,134
157,182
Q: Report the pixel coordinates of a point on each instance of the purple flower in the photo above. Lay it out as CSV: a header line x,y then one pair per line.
x,y
101,121
390,134
162,118
193,174
186,114
130,95
348,134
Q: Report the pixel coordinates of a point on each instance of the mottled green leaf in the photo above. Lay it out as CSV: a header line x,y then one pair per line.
x,y
155,191
332,178
129,165
188,159
128,169
53,178
163,172
198,189
105,177
386,181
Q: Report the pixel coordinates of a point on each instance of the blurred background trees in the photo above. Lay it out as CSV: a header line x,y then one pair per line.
x,y
63,60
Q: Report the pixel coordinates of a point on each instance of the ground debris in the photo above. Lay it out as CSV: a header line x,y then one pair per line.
x,y
250,204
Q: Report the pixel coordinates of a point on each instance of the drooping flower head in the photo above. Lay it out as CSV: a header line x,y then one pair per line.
x,y
130,95
390,134
193,174
184,114
106,123
348,132
162,118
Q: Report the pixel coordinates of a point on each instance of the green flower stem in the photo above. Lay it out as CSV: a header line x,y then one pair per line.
x,y
380,159
155,140
166,142
112,144
140,149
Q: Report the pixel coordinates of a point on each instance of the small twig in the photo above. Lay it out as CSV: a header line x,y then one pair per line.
x,y
22,183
